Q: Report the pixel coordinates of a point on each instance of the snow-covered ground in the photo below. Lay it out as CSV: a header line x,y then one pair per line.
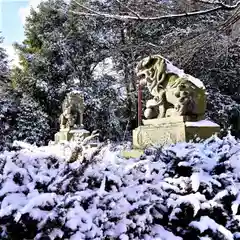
x,y
183,191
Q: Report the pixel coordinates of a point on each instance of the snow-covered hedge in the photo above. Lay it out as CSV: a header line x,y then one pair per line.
x,y
23,119
184,191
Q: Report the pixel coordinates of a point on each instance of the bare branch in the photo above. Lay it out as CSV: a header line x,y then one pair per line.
x,y
219,3
129,9
208,1
230,21
85,8
228,7
92,13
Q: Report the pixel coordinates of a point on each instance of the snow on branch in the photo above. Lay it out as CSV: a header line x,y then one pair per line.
x,y
93,13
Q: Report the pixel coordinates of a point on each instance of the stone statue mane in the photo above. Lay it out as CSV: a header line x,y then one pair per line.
x,y
72,111
174,92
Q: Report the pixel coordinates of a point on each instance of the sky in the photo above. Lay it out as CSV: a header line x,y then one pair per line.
x,y
12,18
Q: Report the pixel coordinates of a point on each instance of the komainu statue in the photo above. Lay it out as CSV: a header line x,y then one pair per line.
x,y
73,108
174,92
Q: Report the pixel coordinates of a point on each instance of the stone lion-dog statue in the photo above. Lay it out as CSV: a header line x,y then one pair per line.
x,y
174,92
72,111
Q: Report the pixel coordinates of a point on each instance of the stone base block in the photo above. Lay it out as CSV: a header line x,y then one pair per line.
x,y
172,130
79,133
133,153
62,135
70,135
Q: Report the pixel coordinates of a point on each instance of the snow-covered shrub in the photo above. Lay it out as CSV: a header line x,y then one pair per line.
x,y
184,191
32,123
220,109
21,118
8,114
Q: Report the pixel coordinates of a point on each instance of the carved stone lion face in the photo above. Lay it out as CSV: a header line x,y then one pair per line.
x,y
147,67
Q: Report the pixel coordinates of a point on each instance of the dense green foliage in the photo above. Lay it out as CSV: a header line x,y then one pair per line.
x,y
21,117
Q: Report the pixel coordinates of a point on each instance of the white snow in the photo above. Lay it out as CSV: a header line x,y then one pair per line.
x,y
77,92
180,72
195,178
101,190
173,69
208,223
193,199
56,233
201,123
37,201
79,131
235,205
106,67
116,197
162,234
197,82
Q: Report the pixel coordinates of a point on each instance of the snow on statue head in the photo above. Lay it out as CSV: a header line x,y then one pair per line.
x,y
174,92
72,107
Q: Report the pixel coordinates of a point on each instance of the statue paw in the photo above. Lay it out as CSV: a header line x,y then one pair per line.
x,y
150,113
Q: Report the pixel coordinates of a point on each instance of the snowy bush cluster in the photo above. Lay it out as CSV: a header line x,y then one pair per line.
x,y
8,114
183,191
21,118
221,109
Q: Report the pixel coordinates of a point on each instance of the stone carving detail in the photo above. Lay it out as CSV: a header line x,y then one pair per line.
x,y
171,133
145,138
72,111
174,92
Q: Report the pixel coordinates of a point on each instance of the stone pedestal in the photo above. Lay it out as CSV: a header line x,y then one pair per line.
x,y
70,135
172,130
